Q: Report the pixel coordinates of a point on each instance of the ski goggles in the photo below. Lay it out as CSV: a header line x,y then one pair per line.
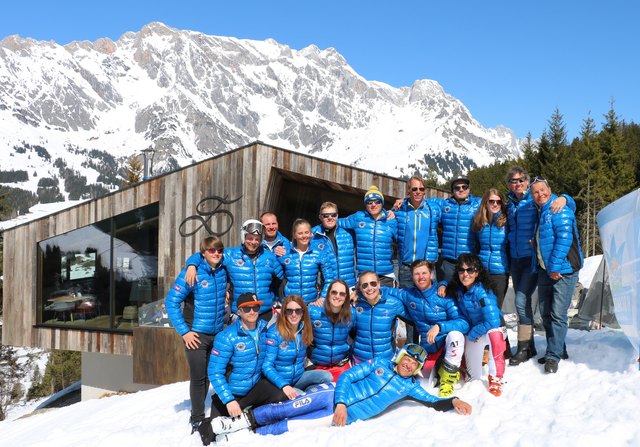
x,y
253,228
416,352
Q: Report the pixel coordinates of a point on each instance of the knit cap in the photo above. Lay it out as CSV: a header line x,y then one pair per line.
x,y
373,193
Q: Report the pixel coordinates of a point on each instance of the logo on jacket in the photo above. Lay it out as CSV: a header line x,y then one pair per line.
x,y
447,209
359,309
379,371
302,402
284,345
204,284
321,246
361,224
241,346
270,342
177,287
317,323
240,262
287,261
214,352
412,305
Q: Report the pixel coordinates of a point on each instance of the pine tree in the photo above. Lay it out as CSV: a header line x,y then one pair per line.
x,y
133,171
620,168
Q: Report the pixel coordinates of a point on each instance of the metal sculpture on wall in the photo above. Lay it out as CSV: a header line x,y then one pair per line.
x,y
203,217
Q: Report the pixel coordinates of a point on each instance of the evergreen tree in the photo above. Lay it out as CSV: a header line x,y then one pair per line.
x,y
62,370
10,374
133,171
620,167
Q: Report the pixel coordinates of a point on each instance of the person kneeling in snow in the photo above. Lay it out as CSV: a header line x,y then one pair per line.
x,y
362,392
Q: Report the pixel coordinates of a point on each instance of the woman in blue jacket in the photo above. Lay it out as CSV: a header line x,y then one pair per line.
x,y
305,266
287,343
332,322
477,304
202,319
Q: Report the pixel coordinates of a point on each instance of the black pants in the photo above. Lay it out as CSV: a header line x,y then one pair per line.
x,y
198,360
264,392
499,284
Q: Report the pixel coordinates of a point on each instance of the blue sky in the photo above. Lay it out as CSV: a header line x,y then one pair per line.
x,y
509,62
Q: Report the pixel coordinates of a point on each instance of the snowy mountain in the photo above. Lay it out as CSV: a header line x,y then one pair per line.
x,y
81,109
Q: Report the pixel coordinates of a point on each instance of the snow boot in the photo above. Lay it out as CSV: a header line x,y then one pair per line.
x,y
225,424
525,338
227,437
495,385
449,376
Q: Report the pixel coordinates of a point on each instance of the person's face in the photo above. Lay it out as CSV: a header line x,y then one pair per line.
x,y
422,277
374,206
252,243
518,184
302,235
249,314
461,191
369,286
337,296
416,191
293,312
270,223
329,217
494,204
467,275
213,255
406,366
541,193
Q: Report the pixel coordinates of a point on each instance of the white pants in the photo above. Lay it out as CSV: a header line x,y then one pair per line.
x,y
474,352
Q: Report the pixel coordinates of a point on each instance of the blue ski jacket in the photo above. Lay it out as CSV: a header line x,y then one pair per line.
x,y
303,273
492,241
457,237
480,308
344,260
330,341
284,361
418,231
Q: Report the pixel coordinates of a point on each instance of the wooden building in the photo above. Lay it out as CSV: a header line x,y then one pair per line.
x,y
91,278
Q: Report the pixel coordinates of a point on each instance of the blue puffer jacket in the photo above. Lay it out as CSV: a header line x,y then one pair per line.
x,y
493,247
280,241
330,341
418,231
344,260
284,361
369,388
208,300
457,237
559,242
522,216
302,273
375,325
255,275
480,308
235,365
374,241
426,309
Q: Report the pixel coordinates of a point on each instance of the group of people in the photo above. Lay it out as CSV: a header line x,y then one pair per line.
x,y
275,320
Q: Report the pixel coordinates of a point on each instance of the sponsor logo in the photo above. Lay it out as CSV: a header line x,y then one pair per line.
x,y
240,262
359,309
214,352
284,345
379,371
241,346
412,305
302,402
287,261
321,246
270,342
317,323
447,209
177,287
204,284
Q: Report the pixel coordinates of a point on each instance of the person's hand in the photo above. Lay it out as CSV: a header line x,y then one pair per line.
x,y
191,340
233,408
340,415
433,333
280,251
397,204
555,276
442,291
391,215
558,204
318,303
290,392
461,407
191,276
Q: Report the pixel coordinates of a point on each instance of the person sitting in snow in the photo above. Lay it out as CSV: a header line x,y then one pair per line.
x,y
362,392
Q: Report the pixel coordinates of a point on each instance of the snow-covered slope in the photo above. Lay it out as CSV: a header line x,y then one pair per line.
x,y
190,95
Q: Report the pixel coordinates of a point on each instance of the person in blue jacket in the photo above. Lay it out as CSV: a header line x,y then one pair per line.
x,y
287,343
251,267
235,365
361,393
522,221
558,258
336,241
332,323
273,239
307,268
375,234
477,304
456,217
377,311
439,324
202,319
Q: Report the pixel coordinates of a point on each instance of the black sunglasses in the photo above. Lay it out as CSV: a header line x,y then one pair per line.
x,y
247,309
461,187
297,311
469,270
414,189
365,285
494,202
328,215
515,180
374,202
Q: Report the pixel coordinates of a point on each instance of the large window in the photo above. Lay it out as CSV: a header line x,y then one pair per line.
x,y
101,276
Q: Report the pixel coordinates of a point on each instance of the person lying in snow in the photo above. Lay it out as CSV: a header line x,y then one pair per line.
x,y
362,392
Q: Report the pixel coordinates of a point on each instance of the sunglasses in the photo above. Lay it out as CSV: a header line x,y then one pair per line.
x,y
253,228
297,311
515,180
461,187
247,309
416,352
373,202
338,293
415,188
328,215
366,285
494,202
539,179
468,270
213,251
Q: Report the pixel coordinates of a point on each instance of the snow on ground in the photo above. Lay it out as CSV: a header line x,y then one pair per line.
x,y
593,400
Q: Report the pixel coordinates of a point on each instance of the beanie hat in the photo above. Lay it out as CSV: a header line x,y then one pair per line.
x,y
373,193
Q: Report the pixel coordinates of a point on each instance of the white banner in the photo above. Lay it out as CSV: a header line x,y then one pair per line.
x,y
619,225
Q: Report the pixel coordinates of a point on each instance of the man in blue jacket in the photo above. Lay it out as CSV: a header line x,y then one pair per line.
x,y
558,256
273,239
362,392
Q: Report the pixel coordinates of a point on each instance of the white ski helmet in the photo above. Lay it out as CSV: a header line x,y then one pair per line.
x,y
251,226
414,351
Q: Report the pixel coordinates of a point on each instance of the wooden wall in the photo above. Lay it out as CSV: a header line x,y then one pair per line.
x,y
246,173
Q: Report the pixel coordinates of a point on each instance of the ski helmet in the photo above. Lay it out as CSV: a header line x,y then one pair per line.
x,y
251,226
414,351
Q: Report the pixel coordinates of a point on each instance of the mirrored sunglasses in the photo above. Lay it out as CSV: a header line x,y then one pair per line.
x,y
213,251
515,180
374,202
